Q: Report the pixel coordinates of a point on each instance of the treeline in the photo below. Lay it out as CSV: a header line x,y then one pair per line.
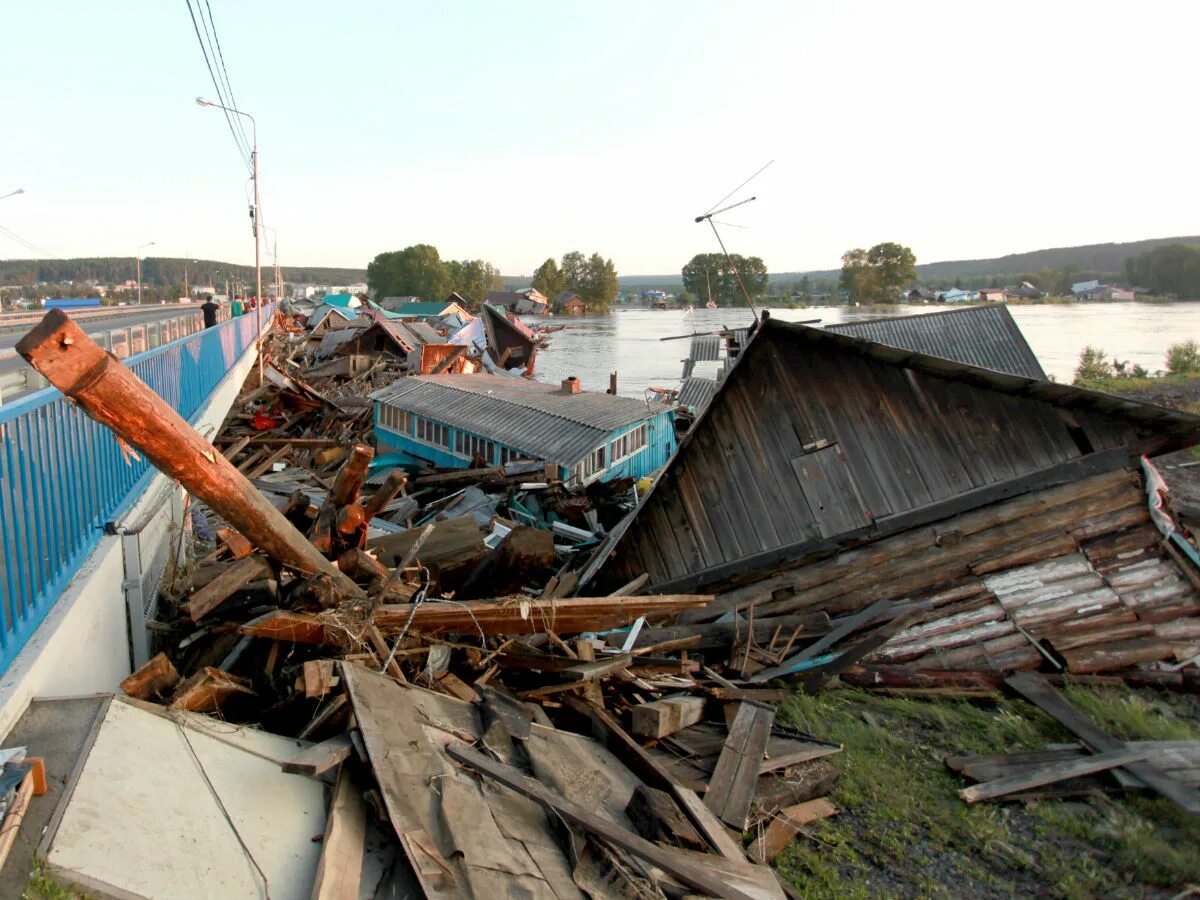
x,y
420,271
159,271
593,278
1172,270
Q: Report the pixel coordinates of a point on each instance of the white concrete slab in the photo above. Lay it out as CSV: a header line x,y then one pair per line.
x,y
160,804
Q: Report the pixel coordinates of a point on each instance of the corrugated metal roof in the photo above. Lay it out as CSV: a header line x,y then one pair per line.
x,y
697,392
983,336
331,340
342,300
706,347
530,416
323,311
420,309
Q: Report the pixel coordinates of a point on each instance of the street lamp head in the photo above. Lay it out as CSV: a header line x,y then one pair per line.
x,y
19,191
201,101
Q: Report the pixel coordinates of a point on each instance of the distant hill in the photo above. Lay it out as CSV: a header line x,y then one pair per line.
x,y
158,270
1098,258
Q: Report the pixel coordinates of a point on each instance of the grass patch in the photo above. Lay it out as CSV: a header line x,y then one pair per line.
x,y
903,830
41,886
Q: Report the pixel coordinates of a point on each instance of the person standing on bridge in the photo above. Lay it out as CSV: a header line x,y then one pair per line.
x,y
209,309
237,307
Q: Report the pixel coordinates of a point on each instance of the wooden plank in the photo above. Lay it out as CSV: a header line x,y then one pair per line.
x,y
15,816
1042,694
841,629
784,827
1049,774
593,671
683,869
320,758
285,625
731,788
649,770
667,716
225,585
318,677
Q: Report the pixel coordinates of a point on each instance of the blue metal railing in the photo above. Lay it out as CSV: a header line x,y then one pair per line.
x,y
64,477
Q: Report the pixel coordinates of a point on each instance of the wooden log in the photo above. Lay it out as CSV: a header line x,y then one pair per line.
x,y
113,395
154,678
459,478
732,785
362,566
903,677
1106,633
290,627
351,476
339,872
525,554
208,690
784,828
1115,655
521,615
225,585
385,493
667,716
1049,774
683,869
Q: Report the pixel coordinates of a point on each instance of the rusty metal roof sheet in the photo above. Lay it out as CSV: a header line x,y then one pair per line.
x,y
983,336
536,418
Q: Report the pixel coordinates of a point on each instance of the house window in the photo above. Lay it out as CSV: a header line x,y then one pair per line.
x,y
629,443
470,446
397,420
434,433
588,468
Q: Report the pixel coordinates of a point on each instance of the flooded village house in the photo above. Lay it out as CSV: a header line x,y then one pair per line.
x,y
583,436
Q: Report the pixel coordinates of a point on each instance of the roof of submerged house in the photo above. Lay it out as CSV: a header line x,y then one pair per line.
x,y
539,419
983,336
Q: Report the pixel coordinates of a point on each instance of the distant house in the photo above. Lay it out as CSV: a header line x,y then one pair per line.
x,y
1023,291
920,294
1106,293
1084,287
570,303
345,301
584,436
529,302
328,316
993,295
423,310
958,295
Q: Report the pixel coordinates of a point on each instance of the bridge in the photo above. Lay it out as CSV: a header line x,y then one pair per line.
x,y
125,331
88,527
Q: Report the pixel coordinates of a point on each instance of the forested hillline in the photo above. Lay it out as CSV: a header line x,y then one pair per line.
x,y
158,270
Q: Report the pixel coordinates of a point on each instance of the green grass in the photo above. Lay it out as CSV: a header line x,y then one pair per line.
x,y
41,886
904,830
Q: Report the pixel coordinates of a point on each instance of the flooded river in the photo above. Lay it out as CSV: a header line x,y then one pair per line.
x,y
627,342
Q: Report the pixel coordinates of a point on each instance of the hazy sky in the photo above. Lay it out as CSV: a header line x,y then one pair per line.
x,y
516,131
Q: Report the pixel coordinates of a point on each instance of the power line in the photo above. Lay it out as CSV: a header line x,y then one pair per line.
x,y
217,85
221,58
28,245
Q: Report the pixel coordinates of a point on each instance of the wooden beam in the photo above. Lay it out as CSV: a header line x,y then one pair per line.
x,y
1049,774
686,869
340,870
110,392
667,716
841,629
732,785
156,677
225,585
320,758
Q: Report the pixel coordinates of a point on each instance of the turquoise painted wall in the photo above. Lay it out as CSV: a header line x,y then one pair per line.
x,y
660,444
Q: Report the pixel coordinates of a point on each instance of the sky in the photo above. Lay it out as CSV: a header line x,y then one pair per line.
x,y
516,131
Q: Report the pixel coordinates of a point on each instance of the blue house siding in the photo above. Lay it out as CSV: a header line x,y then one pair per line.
x,y
660,444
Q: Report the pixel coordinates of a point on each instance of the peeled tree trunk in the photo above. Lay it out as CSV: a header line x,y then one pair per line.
x,y
113,395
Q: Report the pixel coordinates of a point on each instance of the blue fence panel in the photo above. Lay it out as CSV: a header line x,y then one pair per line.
x,y
64,477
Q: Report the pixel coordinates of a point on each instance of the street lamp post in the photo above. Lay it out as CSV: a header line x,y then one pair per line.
x,y
257,211
139,268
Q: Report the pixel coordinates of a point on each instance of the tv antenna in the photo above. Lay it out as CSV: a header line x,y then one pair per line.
x,y
713,211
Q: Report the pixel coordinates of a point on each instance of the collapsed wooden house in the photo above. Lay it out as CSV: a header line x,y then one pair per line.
x,y
500,342
996,510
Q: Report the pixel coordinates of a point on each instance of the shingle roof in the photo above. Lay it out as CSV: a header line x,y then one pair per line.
x,y
982,336
530,416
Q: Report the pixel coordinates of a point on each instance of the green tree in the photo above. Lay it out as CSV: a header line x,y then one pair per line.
x,y
473,279
687,298
878,274
599,283
705,270
415,271
550,279
1170,269
1184,358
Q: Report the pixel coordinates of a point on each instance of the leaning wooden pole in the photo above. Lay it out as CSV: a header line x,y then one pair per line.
x,y
111,394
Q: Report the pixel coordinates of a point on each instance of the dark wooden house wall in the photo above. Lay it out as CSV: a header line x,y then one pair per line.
x,y
808,442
